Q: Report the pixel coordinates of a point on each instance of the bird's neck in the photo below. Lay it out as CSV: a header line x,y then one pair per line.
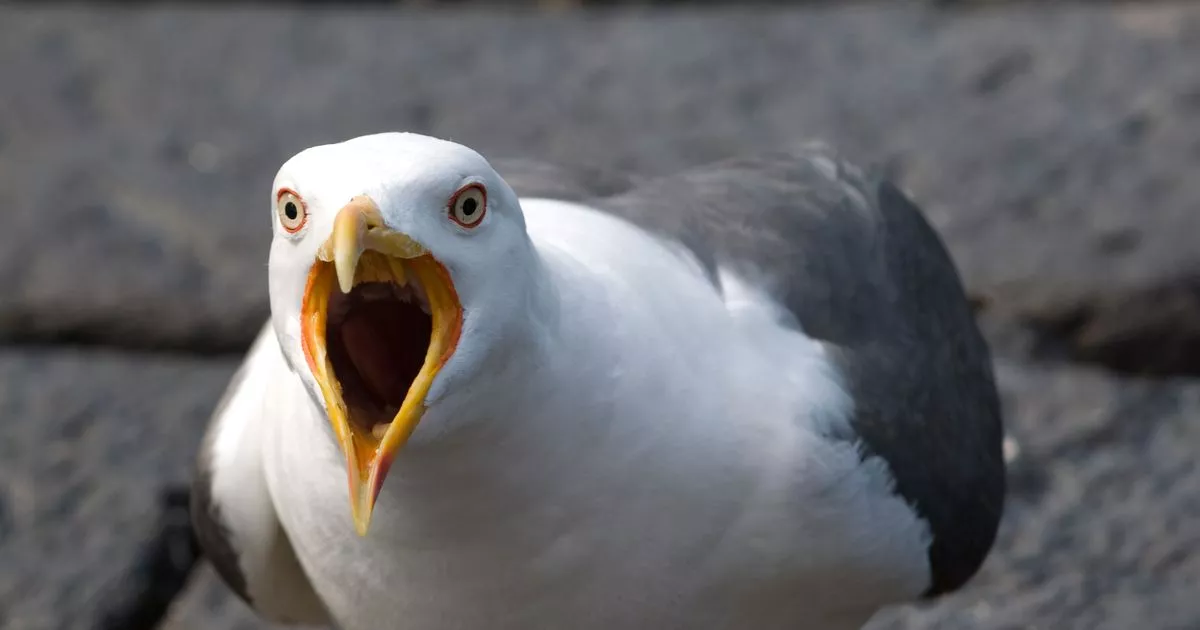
x,y
548,341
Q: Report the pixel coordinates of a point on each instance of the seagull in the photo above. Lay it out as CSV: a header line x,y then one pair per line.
x,y
750,394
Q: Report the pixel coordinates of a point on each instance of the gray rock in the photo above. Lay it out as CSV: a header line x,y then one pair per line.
x,y
88,442
1101,527
1045,144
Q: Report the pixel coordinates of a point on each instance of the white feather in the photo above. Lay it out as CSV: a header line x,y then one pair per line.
x,y
278,587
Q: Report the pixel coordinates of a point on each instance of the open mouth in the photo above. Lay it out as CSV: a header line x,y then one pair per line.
x,y
376,329
376,338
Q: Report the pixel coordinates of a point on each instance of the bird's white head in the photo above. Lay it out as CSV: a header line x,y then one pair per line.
x,y
395,260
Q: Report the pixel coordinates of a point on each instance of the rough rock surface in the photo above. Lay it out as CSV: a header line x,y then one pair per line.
x,y
87,443
1047,144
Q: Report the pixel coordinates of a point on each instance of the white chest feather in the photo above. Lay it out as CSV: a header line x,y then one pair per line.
x,y
666,466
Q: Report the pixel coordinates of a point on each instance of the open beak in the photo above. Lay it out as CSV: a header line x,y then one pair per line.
x,y
380,318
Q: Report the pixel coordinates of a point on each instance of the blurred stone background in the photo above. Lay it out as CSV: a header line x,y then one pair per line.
x,y
1053,144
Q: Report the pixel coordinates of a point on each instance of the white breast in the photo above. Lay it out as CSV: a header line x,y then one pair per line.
x,y
667,468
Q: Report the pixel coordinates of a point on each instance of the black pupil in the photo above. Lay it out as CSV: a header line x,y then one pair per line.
x,y
290,210
469,206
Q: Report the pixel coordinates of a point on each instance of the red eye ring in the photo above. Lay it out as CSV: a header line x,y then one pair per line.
x,y
291,209
468,205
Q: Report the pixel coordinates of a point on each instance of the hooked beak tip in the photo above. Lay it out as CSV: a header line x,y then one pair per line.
x,y
349,231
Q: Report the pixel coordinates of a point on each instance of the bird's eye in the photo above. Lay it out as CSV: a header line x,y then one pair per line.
x,y
468,205
292,213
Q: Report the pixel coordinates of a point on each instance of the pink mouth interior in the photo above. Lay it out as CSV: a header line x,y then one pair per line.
x,y
376,338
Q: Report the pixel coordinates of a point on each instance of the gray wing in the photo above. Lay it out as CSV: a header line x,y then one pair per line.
x,y
531,178
232,512
857,265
